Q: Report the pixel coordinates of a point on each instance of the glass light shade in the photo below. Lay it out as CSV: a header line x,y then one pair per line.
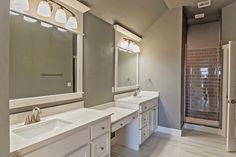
x,y
46,25
61,29
13,13
29,19
44,9
136,48
72,23
124,45
21,5
131,46
60,16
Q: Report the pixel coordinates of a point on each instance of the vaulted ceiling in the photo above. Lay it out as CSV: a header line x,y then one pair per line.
x,y
136,15
139,15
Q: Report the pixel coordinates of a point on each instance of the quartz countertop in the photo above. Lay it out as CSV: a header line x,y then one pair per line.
x,y
78,118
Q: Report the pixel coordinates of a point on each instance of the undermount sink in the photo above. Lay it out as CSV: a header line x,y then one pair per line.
x,y
36,130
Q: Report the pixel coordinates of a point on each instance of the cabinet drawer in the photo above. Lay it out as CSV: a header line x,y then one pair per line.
x,y
143,134
100,128
144,119
82,152
124,122
64,146
101,146
144,107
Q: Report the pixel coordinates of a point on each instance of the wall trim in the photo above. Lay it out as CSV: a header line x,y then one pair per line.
x,y
202,128
171,131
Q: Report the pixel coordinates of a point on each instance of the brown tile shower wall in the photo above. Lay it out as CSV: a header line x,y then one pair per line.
x,y
203,83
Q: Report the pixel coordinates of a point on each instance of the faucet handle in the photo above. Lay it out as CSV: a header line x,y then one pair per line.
x,y
28,119
36,114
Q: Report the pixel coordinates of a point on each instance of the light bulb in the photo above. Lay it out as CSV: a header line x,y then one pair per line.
x,y
61,29
21,5
124,44
13,13
44,9
29,19
132,46
46,25
60,16
136,48
72,23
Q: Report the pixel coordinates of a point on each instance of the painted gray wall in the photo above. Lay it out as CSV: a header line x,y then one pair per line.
x,y
98,61
229,23
161,62
4,78
204,35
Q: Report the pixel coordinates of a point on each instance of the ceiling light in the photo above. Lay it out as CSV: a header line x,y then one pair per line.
x,y
29,19
13,13
21,5
44,24
60,16
124,45
44,9
72,23
61,29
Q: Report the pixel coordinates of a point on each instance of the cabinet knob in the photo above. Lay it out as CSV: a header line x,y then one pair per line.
x,y
133,117
121,124
102,148
103,128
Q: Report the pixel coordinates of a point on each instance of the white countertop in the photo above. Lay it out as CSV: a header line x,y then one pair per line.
x,y
118,113
142,97
79,118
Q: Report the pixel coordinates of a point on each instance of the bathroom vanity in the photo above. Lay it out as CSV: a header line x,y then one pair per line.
x,y
147,105
78,133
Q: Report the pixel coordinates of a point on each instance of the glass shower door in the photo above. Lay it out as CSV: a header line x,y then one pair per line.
x,y
203,86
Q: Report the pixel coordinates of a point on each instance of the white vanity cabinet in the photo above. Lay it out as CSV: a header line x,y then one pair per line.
x,y
148,113
91,141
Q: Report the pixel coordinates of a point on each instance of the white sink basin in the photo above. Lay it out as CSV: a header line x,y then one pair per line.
x,y
38,129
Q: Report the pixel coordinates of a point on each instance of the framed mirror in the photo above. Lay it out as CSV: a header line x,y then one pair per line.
x,y
45,62
126,60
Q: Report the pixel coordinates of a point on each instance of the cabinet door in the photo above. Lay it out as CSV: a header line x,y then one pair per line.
x,y
82,152
101,146
152,120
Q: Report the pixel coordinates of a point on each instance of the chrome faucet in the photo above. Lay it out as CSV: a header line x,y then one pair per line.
x,y
136,93
34,116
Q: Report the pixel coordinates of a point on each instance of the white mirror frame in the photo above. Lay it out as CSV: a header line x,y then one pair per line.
x,y
33,101
136,38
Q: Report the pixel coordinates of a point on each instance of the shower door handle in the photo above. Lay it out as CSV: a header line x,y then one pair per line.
x,y
233,101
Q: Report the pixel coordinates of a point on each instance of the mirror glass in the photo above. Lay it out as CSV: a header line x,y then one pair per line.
x,y
127,68
42,59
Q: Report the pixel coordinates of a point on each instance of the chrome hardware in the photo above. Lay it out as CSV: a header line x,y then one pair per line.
x,y
34,116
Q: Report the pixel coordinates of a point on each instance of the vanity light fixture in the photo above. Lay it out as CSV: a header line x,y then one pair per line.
x,y
21,5
47,25
44,9
29,19
129,46
72,23
60,16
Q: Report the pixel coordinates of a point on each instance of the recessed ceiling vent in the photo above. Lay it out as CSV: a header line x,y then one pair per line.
x,y
204,4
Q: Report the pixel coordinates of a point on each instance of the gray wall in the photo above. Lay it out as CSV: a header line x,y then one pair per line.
x,y
4,78
98,61
204,35
229,23
161,62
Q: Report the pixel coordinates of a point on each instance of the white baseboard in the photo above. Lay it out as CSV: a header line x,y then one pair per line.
x,y
203,129
171,131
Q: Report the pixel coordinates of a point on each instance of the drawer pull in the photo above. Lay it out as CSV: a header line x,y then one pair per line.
x,y
102,148
144,119
121,124
133,117
103,128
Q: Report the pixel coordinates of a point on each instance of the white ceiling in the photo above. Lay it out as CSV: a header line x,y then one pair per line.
x,y
136,15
